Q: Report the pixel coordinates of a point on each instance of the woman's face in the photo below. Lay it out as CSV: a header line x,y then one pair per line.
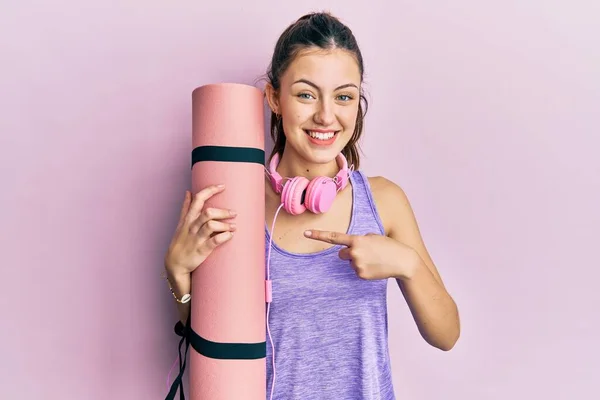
x,y
318,101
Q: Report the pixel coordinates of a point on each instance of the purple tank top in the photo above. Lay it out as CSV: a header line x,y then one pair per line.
x,y
329,326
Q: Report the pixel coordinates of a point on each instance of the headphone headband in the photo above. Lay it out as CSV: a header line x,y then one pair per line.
x,y
340,179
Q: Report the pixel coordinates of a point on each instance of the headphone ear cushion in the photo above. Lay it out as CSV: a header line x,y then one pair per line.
x,y
292,195
320,194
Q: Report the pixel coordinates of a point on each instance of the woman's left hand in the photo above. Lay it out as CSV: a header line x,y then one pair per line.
x,y
372,256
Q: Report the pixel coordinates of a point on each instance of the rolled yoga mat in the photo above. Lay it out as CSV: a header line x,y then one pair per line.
x,y
228,322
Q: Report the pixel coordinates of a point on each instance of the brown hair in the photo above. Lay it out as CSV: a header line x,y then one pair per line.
x,y
326,32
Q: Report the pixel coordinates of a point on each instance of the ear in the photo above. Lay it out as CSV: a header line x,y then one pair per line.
x,y
272,98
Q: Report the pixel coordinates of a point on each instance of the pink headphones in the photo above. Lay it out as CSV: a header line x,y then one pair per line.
x,y
299,194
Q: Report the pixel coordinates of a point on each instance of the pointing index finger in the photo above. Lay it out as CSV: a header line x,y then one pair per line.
x,y
330,237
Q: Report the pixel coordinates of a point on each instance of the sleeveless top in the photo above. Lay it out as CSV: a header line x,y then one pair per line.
x,y
329,327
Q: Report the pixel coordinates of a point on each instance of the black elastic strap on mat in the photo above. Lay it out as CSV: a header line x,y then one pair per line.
x,y
228,154
227,351
223,351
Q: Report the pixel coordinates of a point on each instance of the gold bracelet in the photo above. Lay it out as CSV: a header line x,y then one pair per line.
x,y
184,299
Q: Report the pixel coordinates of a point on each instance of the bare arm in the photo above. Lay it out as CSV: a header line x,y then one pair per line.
x,y
432,307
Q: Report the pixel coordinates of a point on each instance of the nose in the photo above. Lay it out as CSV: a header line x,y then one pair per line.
x,y
324,114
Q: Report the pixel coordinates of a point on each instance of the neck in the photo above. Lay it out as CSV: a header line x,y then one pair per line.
x,y
291,165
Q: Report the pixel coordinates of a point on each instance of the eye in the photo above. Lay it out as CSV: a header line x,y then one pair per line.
x,y
306,96
345,97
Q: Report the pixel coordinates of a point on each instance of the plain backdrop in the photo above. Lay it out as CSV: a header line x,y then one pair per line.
x,y
485,112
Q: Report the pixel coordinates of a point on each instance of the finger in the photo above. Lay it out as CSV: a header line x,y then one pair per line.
x,y
344,253
213,226
199,200
208,214
330,237
212,243
184,208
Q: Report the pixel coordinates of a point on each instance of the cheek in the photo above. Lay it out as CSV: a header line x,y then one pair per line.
x,y
297,113
348,116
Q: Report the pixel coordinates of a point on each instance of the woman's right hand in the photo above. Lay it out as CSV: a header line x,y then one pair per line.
x,y
199,232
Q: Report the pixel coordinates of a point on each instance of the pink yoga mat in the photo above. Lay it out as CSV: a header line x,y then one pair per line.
x,y
228,289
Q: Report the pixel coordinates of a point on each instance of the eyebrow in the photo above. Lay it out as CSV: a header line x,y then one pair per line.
x,y
316,87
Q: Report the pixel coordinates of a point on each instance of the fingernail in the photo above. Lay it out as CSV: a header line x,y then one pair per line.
x,y
232,226
307,233
232,213
221,186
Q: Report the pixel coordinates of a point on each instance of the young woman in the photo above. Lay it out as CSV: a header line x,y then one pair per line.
x,y
329,321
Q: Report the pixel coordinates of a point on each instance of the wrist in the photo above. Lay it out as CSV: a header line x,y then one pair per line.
x,y
175,272
179,282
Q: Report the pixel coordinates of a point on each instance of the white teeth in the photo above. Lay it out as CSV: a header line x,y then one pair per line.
x,y
321,136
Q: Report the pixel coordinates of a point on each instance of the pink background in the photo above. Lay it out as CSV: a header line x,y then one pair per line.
x,y
487,113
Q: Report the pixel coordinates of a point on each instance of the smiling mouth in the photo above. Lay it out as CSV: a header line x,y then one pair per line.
x,y
324,136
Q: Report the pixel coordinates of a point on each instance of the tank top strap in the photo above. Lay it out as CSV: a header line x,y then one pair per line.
x,y
365,216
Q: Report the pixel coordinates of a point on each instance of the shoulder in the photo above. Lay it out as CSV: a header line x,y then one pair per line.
x,y
387,192
383,187
392,203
